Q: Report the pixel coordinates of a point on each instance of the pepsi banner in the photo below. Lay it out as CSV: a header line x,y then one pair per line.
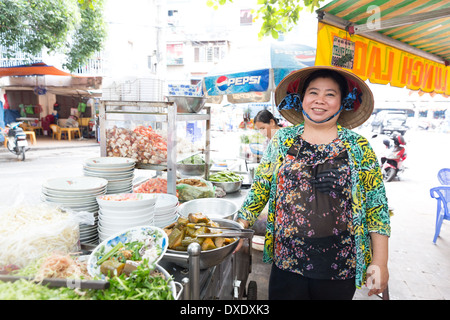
x,y
250,81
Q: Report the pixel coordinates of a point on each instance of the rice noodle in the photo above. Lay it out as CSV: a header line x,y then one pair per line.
x,y
27,233
62,266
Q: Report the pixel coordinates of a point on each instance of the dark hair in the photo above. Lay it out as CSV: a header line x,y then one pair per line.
x,y
265,116
340,80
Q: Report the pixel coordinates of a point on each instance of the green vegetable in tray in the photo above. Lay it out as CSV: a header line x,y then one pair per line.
x,y
255,137
28,290
195,159
141,285
225,176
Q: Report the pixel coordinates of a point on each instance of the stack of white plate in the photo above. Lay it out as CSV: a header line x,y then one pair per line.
x,y
165,209
77,194
122,211
118,171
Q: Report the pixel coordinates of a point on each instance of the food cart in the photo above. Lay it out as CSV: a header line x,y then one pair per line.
x,y
225,276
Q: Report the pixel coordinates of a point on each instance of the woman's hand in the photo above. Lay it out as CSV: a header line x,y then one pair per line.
x,y
245,225
377,278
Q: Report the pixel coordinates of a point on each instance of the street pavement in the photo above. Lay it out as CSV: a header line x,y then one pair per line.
x,y
418,268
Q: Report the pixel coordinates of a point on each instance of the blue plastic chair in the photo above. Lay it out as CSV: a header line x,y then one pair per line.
x,y
442,195
444,176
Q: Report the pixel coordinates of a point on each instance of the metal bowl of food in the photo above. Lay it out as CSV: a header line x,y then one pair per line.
x,y
229,187
189,169
188,104
208,258
214,208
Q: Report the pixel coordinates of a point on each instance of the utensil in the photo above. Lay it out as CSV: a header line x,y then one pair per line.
x,y
229,233
59,282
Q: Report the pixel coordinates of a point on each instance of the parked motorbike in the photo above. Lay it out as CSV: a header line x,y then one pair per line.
x,y
17,140
392,161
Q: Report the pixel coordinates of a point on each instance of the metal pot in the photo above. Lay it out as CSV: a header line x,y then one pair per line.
x,y
229,187
191,169
188,104
210,207
208,258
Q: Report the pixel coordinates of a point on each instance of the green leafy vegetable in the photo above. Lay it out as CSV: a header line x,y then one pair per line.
x,y
195,159
110,253
140,285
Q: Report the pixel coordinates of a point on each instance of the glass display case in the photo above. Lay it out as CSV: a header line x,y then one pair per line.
x,y
149,133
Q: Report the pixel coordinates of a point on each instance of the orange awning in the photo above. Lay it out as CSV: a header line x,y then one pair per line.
x,y
35,69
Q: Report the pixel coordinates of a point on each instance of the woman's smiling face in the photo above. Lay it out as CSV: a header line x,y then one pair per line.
x,y
322,99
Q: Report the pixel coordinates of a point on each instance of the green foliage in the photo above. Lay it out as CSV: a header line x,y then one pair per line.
x,y
72,27
278,16
89,36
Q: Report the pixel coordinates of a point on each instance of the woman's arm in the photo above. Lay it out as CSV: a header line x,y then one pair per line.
x,y
259,193
377,272
378,223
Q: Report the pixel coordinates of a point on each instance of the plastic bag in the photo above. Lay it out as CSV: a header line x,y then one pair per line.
x,y
194,188
29,232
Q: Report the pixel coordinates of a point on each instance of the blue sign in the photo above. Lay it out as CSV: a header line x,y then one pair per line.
x,y
252,81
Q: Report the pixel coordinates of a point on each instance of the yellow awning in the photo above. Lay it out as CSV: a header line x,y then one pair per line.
x,y
402,42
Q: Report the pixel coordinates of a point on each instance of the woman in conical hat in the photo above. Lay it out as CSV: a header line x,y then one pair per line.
x,y
328,220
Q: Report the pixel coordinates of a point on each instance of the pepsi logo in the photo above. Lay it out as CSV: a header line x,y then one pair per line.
x,y
222,83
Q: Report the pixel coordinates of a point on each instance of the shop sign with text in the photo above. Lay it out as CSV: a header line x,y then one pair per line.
x,y
378,62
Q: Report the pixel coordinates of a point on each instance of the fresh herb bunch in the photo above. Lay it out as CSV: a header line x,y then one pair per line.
x,y
142,284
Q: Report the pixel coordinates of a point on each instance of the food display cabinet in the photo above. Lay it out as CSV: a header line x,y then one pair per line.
x,y
147,132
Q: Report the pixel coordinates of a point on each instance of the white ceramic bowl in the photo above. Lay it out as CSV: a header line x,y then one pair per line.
x,y
163,212
124,212
121,221
108,227
165,201
134,200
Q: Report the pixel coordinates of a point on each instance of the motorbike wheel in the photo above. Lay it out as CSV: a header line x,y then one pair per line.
x,y
389,174
22,154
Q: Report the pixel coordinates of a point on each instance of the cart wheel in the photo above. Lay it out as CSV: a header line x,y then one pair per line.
x,y
252,290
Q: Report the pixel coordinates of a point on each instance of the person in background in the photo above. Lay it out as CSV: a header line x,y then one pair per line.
x,y
266,123
328,221
72,122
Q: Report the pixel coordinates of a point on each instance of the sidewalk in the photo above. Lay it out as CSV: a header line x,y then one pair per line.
x,y
47,143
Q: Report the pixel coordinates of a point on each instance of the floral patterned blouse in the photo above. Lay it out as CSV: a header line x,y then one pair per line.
x,y
368,196
313,223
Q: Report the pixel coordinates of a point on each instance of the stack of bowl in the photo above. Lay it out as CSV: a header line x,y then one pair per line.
x,y
117,170
122,211
165,209
77,194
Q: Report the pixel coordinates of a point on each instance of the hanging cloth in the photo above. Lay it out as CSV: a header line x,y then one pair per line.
x,y
22,110
81,107
29,109
6,106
